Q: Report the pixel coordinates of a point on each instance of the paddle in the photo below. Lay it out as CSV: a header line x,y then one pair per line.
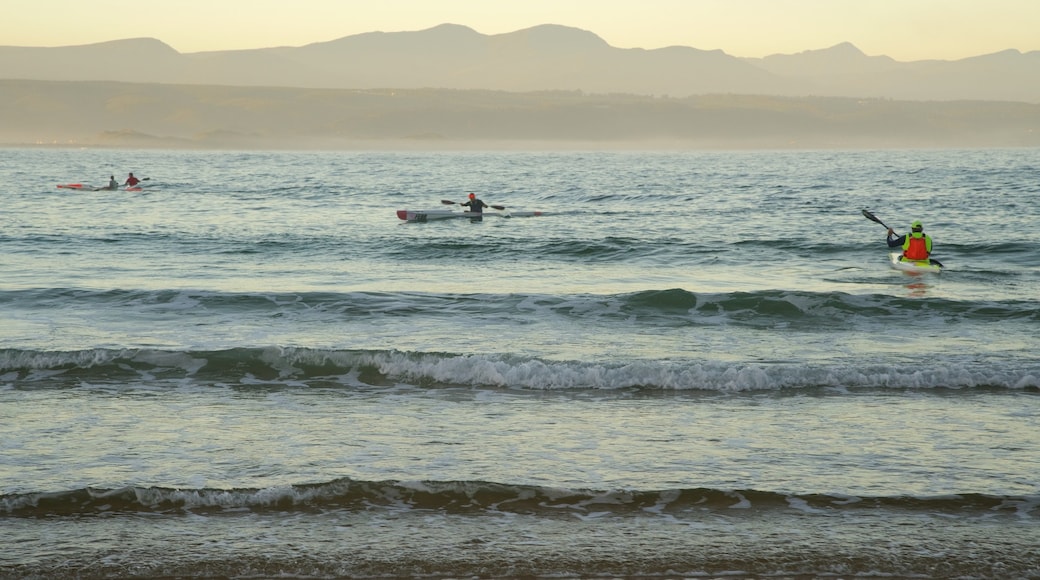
x,y
449,202
874,218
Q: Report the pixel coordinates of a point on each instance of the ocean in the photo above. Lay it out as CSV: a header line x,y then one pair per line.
x,y
693,364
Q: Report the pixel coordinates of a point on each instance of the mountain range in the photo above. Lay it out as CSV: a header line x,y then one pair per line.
x,y
542,58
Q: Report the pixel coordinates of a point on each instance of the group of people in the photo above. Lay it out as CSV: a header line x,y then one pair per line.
x,y
130,182
916,244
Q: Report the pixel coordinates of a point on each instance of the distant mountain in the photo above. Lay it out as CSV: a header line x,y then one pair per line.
x,y
547,57
141,59
843,70
837,61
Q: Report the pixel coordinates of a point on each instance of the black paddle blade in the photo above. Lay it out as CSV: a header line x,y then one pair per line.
x,y
872,217
447,202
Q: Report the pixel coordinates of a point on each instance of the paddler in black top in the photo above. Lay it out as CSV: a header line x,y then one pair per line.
x,y
475,205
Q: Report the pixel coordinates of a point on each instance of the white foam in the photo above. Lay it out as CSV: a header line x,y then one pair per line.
x,y
488,370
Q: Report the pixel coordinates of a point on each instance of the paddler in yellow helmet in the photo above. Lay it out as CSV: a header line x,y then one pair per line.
x,y
916,245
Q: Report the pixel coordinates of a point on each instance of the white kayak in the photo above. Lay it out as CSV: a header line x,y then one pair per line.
x,y
427,215
915,266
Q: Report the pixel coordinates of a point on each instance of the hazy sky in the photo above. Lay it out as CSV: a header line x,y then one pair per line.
x,y
903,29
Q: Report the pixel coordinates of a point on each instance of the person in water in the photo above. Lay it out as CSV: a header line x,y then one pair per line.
x,y
131,181
475,205
916,245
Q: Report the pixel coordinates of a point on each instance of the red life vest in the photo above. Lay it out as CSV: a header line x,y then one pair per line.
x,y
917,247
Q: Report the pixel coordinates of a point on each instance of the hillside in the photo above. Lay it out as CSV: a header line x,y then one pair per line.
x,y
207,116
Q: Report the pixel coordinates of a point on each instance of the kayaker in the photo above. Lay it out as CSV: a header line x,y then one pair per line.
x,y
916,245
112,183
475,205
131,181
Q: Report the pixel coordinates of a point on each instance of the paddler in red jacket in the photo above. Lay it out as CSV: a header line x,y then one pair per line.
x,y
131,181
916,245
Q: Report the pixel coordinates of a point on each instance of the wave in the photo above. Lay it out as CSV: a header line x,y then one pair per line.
x,y
1001,256
293,367
475,497
670,307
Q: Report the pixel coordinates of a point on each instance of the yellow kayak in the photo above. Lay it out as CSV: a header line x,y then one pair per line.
x,y
915,266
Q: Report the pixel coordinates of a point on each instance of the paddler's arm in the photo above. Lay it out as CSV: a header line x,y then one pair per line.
x,y
894,242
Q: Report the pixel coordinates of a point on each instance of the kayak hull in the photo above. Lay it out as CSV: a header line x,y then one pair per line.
x,y
84,187
914,266
428,215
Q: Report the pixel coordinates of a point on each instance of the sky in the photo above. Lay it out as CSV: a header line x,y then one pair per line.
x,y
905,30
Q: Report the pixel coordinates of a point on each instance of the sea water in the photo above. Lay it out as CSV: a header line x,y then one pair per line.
x,y
693,364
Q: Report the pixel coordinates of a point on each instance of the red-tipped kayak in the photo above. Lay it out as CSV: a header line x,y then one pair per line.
x,y
81,186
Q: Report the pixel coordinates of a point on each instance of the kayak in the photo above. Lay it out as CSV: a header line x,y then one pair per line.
x,y
427,215
81,186
915,266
